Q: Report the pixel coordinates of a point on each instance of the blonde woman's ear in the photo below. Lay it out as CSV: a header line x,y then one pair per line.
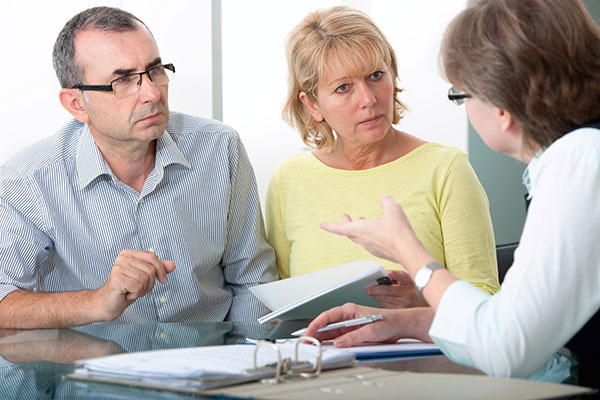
x,y
312,107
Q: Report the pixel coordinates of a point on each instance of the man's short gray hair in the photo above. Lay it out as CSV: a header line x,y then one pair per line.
x,y
108,19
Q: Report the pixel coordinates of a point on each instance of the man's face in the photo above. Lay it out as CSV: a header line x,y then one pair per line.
x,y
130,121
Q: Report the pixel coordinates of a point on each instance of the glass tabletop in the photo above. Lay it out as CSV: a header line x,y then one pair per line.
x,y
33,363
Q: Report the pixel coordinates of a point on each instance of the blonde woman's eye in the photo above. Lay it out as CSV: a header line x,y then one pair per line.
x,y
342,89
376,75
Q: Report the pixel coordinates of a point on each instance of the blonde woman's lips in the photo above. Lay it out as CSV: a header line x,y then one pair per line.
x,y
371,121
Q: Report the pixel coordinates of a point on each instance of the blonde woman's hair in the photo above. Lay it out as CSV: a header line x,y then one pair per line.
x,y
336,36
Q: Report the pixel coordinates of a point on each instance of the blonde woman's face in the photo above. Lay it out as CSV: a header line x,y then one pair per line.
x,y
358,108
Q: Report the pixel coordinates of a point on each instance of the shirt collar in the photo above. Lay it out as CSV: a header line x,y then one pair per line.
x,y
532,172
167,152
90,163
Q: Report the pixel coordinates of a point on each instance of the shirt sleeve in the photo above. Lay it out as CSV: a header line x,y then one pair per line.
x,y
469,245
23,244
248,258
549,293
276,227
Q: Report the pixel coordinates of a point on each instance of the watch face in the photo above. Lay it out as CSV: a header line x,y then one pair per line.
x,y
422,277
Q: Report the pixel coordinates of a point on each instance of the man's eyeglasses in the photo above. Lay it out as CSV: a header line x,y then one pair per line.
x,y
456,96
129,84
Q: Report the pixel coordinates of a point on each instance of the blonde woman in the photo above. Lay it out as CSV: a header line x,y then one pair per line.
x,y
343,99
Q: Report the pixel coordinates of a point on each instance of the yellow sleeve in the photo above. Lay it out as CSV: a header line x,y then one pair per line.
x,y
275,222
469,245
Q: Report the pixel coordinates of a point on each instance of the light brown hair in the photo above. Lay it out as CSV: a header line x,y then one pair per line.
x,y
339,35
537,59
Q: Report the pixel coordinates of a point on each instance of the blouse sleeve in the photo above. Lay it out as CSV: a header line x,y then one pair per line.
x,y
469,245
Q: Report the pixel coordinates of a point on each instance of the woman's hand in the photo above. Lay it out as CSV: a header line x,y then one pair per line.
x,y
396,324
390,236
401,294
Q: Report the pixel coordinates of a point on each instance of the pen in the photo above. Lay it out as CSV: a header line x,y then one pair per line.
x,y
343,324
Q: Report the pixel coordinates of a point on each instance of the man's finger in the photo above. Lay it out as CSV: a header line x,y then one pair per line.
x,y
169,265
136,270
133,286
162,269
150,258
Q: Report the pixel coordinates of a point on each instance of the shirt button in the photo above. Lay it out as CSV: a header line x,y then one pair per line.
x,y
163,299
163,335
141,201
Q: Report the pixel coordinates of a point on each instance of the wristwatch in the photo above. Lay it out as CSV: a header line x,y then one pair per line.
x,y
423,275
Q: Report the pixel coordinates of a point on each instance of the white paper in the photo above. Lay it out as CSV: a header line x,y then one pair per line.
x,y
204,362
305,296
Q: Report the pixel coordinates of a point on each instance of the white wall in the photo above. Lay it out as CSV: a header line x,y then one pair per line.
x,y
255,72
29,107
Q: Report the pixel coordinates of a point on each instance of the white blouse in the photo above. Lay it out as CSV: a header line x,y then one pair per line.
x,y
553,286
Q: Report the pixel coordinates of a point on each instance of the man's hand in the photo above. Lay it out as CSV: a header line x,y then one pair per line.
x,y
132,276
401,294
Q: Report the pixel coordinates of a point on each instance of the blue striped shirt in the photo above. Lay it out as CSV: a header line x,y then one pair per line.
x,y
65,218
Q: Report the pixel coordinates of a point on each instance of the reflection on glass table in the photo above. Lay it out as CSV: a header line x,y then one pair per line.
x,y
33,362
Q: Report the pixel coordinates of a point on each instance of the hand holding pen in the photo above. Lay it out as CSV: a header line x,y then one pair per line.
x,y
343,324
393,325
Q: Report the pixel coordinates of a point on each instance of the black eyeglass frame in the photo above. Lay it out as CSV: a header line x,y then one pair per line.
x,y
457,97
109,87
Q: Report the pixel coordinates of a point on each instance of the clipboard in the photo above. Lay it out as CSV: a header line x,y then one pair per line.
x,y
364,382
281,368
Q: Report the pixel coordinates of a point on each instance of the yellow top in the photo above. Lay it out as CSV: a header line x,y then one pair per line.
x,y
435,185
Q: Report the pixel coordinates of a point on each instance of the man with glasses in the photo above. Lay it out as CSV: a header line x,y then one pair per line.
x,y
127,194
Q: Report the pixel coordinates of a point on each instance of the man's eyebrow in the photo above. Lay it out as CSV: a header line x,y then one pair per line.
x,y
121,72
157,61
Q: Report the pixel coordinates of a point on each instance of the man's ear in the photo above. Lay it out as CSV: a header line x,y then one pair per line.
x,y
312,107
72,101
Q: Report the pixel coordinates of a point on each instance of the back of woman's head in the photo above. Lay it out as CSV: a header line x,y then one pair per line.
x,y
537,59
336,37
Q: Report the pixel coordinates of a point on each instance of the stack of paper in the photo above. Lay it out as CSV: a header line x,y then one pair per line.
x,y
200,367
